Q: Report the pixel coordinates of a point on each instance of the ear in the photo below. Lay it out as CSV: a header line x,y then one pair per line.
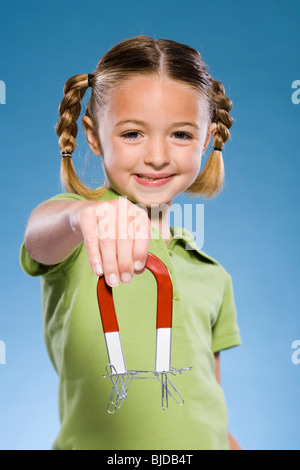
x,y
210,132
92,136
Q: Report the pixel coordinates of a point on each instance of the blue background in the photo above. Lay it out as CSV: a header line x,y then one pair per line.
x,y
252,227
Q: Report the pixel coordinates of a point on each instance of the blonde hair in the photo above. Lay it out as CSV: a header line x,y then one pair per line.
x,y
144,55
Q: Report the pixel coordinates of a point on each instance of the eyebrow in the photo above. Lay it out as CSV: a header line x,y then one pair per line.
x,y
142,123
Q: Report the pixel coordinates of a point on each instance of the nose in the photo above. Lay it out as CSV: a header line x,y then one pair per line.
x,y
157,153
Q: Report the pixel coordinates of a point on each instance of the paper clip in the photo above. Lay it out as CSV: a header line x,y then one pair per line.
x,y
120,377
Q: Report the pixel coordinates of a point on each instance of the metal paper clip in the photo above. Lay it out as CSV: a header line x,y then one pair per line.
x,y
120,377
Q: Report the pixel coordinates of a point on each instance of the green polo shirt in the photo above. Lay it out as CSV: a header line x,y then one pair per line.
x,y
204,322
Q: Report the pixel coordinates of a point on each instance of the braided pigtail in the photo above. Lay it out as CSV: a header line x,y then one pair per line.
x,y
210,181
67,129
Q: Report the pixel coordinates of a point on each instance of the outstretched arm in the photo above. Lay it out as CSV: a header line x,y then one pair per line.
x,y
108,229
232,442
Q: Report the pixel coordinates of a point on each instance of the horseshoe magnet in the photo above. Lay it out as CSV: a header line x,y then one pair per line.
x,y
163,319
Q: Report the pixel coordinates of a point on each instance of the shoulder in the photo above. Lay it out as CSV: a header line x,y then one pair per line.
x,y
108,194
67,197
202,264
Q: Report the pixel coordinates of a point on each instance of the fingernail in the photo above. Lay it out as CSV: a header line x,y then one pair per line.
x,y
98,270
113,280
125,277
138,265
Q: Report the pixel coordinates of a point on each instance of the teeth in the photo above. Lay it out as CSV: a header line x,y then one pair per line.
x,y
150,179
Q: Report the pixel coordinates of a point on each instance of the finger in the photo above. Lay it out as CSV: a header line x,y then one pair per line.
x,y
141,237
125,259
124,245
106,226
88,228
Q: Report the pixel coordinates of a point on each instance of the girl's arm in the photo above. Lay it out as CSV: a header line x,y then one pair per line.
x,y
232,442
56,228
49,237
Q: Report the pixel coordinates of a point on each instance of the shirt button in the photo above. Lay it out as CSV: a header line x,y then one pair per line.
x,y
171,253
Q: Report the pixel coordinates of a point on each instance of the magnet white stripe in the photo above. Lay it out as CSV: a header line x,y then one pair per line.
x,y
163,349
115,351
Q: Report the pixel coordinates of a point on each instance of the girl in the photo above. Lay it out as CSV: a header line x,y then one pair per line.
x,y
152,112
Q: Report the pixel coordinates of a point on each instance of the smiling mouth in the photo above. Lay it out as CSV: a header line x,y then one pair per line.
x,y
153,178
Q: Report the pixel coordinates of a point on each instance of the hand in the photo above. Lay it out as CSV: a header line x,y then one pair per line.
x,y
116,235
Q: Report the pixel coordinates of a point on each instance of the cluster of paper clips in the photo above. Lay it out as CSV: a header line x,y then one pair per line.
x,y
122,382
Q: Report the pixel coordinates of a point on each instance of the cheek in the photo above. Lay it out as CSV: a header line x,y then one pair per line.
x,y
195,170
120,156
191,162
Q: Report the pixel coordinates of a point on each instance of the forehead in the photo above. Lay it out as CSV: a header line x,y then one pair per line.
x,y
148,97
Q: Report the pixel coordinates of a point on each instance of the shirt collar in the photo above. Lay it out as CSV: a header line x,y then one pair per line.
x,y
185,236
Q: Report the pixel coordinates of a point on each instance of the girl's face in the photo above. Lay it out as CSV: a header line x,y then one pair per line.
x,y
153,132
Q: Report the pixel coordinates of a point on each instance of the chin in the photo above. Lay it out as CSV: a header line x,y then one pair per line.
x,y
148,203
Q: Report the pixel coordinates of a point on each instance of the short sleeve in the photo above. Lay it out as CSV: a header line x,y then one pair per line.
x,y
35,268
225,332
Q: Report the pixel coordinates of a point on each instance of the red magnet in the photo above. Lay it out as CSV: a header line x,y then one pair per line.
x,y
163,319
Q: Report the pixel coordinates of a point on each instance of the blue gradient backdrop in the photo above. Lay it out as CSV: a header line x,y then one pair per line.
x,y
252,227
